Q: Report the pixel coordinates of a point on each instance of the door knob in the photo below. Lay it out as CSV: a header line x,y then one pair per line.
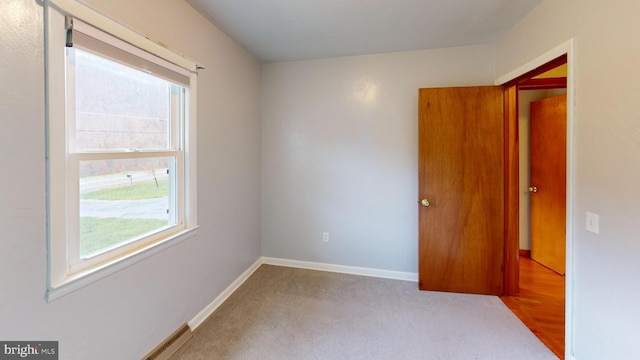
x,y
424,202
533,189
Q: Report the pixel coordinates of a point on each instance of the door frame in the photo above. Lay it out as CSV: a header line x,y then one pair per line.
x,y
511,242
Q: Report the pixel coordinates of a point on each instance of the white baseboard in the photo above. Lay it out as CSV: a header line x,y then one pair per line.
x,y
353,270
209,309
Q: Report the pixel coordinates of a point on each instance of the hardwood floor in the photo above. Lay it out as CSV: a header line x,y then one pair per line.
x,y
540,303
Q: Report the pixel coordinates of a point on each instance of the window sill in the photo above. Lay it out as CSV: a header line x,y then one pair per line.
x,y
81,279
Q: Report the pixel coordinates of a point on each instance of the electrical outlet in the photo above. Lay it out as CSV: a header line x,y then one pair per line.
x,y
592,223
325,237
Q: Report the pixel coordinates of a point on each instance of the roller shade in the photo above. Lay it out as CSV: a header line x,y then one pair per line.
x,y
88,38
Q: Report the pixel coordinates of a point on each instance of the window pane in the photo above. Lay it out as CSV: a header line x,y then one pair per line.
x,y
123,199
118,107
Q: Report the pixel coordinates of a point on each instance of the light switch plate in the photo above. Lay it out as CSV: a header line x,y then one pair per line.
x,y
592,223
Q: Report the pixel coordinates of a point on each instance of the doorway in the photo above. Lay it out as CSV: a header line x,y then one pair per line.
x,y
540,302
542,168
508,166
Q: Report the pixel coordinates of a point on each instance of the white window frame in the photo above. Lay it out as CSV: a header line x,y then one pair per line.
x,y
66,272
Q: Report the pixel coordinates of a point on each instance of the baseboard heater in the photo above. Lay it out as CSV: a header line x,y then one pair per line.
x,y
171,344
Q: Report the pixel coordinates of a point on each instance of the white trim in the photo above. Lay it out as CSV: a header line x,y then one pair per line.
x,y
209,309
571,201
353,270
190,154
105,23
82,279
568,49
55,98
61,279
554,53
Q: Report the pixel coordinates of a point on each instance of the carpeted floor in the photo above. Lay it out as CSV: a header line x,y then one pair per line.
x,y
288,313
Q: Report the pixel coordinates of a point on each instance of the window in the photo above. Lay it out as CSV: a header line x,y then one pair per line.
x,y
121,151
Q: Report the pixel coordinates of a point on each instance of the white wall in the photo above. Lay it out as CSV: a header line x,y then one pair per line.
x,y
127,314
339,153
606,155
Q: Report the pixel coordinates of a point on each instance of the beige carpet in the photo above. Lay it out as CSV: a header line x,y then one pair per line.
x,y
287,313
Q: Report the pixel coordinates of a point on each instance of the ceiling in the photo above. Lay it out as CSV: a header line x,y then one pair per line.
x,y
289,30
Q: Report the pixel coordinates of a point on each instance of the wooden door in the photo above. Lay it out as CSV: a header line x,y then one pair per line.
x,y
548,153
461,179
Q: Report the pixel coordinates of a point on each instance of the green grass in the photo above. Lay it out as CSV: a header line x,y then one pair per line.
x,y
100,233
137,191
